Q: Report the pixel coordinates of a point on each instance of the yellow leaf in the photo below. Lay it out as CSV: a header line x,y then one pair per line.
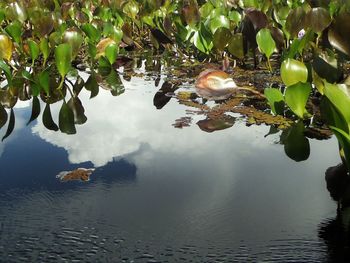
x,y
6,47
101,46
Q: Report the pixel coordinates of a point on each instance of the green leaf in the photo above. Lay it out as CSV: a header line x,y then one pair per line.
x,y
15,31
78,110
111,52
296,145
203,40
131,8
296,97
344,141
275,99
47,119
219,21
92,85
33,49
74,38
339,99
235,46
66,119
332,116
293,71
92,33
265,42
44,81
4,67
35,110
3,116
45,49
10,126
63,57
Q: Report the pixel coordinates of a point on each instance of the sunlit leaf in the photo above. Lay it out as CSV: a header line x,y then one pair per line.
x,y
66,119
296,145
131,8
16,11
63,57
15,31
235,46
33,49
344,140
92,33
293,71
3,116
111,52
74,38
296,97
265,42
275,99
47,119
217,22
35,110
45,49
10,126
6,47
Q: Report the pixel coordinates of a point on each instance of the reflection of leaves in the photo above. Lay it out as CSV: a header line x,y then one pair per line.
x,y
296,145
35,110
160,98
3,116
78,110
66,119
47,119
10,126
217,124
92,85
7,99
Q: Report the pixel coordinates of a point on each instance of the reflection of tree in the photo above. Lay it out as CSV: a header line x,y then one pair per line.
x,y
336,232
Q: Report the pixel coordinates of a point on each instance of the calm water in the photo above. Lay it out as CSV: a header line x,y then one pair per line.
x,y
160,193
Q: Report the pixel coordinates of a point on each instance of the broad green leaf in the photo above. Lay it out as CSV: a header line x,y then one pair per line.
x,y
219,21
74,38
3,116
202,40
131,8
44,81
66,119
47,119
221,37
44,48
35,110
235,16
235,46
296,145
296,97
275,99
339,99
33,50
332,115
92,33
16,11
6,47
10,126
15,31
111,52
265,42
293,71
63,57
206,9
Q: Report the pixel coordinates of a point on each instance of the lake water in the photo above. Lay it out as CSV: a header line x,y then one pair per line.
x,y
161,193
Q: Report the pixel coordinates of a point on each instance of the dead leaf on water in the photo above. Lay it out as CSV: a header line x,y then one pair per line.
x,y
81,174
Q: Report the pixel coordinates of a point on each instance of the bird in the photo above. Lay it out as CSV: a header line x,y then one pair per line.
x,y
216,84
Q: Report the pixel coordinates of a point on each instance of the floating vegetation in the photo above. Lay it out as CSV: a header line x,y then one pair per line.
x,y
79,174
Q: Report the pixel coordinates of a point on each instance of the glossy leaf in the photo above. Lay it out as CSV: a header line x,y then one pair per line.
x,y
6,69
275,100
293,71
338,34
44,80
15,31
131,8
92,85
318,19
235,46
332,116
75,39
10,126
296,97
295,21
3,116
111,53
344,141
63,57
92,33
218,22
45,49
6,47
35,109
33,49
47,119
78,110
296,145
66,119
43,24
265,42
326,67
